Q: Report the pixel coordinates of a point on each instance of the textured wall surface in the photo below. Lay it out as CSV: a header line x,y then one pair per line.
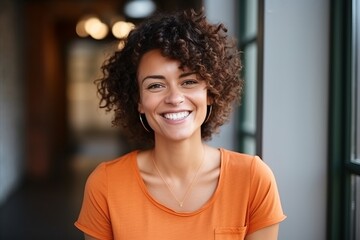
x,y
11,104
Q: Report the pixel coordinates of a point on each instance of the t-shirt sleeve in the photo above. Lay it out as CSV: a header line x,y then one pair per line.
x,y
94,218
264,206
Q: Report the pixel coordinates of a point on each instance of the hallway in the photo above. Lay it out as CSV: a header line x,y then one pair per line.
x,y
49,111
46,210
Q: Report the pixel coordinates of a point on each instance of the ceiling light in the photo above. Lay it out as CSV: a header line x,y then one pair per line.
x,y
139,8
96,28
121,29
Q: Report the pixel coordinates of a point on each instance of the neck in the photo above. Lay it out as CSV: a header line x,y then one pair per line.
x,y
180,159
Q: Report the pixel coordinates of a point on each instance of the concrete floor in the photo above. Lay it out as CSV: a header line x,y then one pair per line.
x,y
46,210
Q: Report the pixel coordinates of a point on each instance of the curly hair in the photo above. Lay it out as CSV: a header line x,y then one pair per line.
x,y
184,36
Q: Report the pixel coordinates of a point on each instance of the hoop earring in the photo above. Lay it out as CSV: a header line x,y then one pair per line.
x,y
142,123
209,111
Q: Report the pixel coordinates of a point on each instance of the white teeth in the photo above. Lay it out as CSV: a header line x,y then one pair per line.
x,y
176,116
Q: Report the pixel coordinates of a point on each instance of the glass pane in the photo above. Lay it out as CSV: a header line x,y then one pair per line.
x,y
84,61
357,213
250,77
90,126
355,129
251,12
357,85
355,208
249,145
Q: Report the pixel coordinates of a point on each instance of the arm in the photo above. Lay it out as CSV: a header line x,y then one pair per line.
x,y
94,214
268,233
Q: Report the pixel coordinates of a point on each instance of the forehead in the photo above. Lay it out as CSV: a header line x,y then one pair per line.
x,y
154,54
154,61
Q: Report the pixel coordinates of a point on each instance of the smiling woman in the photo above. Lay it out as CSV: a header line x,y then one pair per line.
x,y
174,100
172,86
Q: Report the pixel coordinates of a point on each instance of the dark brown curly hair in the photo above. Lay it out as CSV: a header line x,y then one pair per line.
x,y
189,38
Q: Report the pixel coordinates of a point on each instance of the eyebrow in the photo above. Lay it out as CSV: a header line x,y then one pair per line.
x,y
162,77
186,74
154,77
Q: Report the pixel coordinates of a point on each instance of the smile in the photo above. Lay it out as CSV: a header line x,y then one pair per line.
x,y
176,116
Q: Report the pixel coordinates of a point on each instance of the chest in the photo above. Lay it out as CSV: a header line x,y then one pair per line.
x,y
137,215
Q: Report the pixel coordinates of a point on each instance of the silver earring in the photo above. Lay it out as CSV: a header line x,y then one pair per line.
x,y
142,123
209,110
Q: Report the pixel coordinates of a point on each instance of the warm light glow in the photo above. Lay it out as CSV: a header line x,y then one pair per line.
x,y
95,28
121,44
80,29
121,29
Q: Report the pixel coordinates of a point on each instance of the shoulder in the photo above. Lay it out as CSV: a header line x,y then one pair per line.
x,y
118,163
247,164
236,159
232,155
114,168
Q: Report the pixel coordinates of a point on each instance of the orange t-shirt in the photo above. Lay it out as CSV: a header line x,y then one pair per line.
x,y
118,206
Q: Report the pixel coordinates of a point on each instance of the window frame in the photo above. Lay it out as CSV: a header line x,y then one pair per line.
x,y
244,43
342,168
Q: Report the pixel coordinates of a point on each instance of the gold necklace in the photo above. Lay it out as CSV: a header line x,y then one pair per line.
x,y
181,203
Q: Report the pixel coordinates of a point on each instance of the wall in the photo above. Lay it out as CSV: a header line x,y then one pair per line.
x,y
45,95
11,105
295,108
295,111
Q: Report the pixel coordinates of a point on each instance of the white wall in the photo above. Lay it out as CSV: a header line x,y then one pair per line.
x,y
295,107
295,111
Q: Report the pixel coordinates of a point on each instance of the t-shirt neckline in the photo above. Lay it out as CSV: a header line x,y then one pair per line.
x,y
157,204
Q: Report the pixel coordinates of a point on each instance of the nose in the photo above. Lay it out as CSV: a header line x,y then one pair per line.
x,y
174,96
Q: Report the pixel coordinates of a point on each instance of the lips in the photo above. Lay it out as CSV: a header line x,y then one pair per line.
x,y
176,116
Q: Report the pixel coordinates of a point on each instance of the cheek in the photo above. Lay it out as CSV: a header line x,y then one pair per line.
x,y
146,103
202,97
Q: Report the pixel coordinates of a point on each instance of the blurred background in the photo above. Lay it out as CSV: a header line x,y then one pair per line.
x,y
52,131
300,109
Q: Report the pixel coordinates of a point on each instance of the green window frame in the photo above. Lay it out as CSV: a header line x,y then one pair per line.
x,y
344,139
251,44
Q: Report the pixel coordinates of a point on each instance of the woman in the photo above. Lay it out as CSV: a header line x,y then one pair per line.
x,y
172,86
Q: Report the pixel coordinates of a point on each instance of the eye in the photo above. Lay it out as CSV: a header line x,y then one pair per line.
x,y
190,82
155,86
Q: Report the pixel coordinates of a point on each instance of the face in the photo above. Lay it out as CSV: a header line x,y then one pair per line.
x,y
174,100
